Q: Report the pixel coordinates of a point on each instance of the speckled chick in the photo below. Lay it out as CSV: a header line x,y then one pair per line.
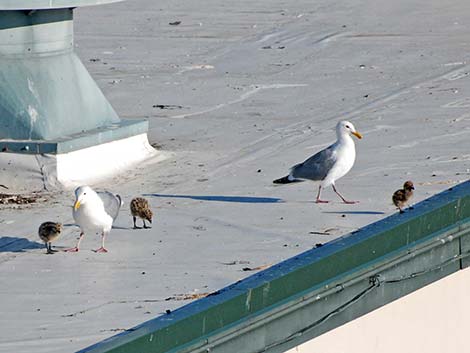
x,y
140,208
401,197
48,232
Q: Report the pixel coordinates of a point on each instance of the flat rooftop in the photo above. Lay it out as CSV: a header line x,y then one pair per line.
x,y
235,94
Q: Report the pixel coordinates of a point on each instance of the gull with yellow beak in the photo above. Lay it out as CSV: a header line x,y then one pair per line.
x,y
95,212
329,164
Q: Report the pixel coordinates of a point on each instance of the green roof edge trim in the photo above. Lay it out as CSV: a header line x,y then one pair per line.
x,y
318,290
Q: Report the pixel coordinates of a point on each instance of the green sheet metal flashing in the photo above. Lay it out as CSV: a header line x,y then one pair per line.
x,y
117,131
16,19
318,290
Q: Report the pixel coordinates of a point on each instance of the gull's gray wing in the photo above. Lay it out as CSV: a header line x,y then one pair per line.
x,y
112,203
317,166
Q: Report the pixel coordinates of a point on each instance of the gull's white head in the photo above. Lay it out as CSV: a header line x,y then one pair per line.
x,y
346,128
83,194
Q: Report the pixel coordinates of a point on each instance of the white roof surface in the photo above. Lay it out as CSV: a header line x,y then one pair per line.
x,y
250,88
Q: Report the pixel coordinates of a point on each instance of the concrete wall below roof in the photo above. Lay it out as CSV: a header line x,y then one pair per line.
x,y
433,319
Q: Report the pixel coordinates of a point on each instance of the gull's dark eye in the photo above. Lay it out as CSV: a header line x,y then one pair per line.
x,y
84,193
347,127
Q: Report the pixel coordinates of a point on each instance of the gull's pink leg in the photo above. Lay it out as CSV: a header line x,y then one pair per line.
x,y
318,200
102,249
342,198
77,247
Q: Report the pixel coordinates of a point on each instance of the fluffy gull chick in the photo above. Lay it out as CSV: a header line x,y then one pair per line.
x,y
329,164
401,197
95,212
140,208
48,232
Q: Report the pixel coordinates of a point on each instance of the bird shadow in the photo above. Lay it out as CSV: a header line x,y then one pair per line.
x,y
122,228
97,233
70,225
15,244
236,199
355,212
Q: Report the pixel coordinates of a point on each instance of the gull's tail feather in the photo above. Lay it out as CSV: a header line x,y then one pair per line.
x,y
286,180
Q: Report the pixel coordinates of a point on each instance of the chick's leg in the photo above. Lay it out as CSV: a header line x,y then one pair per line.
x,y
135,226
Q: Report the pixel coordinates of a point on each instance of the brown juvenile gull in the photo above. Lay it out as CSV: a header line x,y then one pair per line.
x,y
140,208
402,196
95,212
329,164
48,232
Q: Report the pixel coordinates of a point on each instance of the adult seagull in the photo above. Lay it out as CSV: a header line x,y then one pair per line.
x,y
329,164
95,212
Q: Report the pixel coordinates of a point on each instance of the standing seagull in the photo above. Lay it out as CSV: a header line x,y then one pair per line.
x,y
401,197
329,164
95,212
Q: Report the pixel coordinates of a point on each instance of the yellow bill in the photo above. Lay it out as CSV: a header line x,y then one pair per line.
x,y
77,205
358,135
